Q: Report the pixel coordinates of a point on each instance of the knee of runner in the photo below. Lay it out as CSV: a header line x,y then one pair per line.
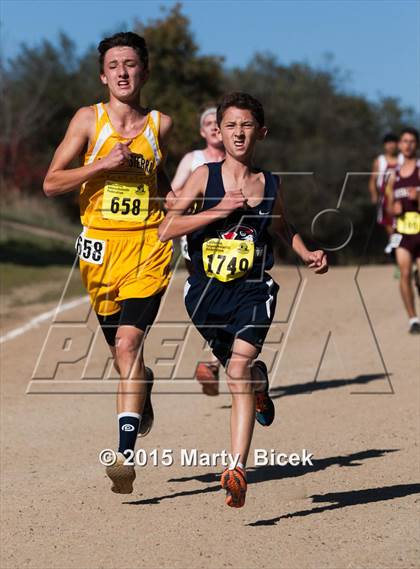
x,y
127,345
238,376
405,273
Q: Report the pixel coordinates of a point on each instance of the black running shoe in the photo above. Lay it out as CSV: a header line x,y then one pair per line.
x,y
417,280
147,418
264,406
415,328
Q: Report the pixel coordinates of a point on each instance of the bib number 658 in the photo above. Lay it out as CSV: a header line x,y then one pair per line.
x,y
125,205
90,250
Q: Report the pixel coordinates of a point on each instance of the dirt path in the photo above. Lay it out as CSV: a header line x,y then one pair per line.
x,y
356,507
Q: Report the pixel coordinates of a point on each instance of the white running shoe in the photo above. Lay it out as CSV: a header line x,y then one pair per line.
x,y
122,475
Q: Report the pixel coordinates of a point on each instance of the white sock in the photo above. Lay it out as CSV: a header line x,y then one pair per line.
x,y
414,320
129,414
232,466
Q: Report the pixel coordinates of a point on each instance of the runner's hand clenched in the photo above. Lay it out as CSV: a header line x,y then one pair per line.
x,y
318,260
118,156
233,199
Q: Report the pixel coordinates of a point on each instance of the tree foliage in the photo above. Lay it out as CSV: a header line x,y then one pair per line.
x,y
315,124
181,81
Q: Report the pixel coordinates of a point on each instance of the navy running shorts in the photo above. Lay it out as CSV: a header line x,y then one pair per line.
x,y
223,312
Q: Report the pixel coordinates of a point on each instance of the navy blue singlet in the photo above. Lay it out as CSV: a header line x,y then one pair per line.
x,y
245,224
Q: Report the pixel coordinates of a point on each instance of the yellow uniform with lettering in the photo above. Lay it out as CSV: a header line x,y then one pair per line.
x,y
120,253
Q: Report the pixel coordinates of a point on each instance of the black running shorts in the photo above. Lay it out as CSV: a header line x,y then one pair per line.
x,y
138,312
223,312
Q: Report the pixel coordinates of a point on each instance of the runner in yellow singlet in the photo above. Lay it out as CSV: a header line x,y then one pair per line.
x,y
124,265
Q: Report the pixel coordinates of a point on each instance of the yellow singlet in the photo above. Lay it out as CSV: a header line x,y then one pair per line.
x,y
125,198
121,255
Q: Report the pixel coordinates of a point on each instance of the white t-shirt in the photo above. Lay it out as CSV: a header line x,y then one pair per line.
x,y
198,159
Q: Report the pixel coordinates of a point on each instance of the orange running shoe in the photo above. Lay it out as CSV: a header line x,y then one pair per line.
x,y
207,375
234,482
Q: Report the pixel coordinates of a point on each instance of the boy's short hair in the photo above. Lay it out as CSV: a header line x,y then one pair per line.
x,y
390,137
410,130
241,101
124,39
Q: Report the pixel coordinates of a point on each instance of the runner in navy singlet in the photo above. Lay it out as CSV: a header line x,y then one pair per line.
x,y
230,296
404,205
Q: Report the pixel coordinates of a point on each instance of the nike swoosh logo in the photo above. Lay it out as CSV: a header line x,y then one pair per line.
x,y
263,212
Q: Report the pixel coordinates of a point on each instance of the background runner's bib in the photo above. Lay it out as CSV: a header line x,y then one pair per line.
x,y
227,259
409,223
127,197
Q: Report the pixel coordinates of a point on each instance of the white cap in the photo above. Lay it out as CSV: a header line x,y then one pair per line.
x,y
206,113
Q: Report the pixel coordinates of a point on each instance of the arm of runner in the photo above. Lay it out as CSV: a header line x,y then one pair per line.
x,y
165,131
182,173
61,179
316,260
176,223
279,222
394,207
413,193
372,182
181,176
280,225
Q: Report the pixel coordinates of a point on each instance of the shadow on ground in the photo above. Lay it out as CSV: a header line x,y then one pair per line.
x,y
311,386
347,499
266,473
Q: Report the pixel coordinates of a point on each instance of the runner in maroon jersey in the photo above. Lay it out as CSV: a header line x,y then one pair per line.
x,y
404,205
383,166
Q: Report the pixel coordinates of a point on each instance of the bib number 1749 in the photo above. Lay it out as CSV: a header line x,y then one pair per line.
x,y
227,259
216,263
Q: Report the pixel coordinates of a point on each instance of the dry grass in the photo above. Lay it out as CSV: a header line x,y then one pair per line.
x,y
37,210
